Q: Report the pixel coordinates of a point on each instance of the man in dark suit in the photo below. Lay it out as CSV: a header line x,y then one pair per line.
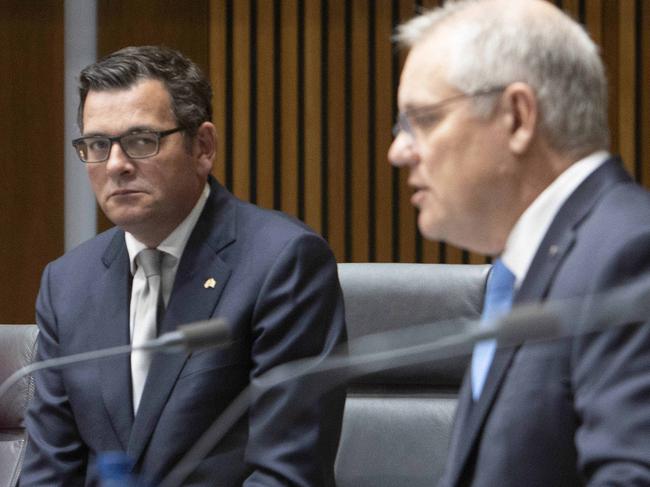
x,y
149,144
503,128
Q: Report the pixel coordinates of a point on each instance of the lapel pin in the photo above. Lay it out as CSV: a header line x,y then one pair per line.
x,y
210,283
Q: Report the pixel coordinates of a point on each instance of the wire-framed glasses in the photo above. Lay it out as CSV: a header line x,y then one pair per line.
x,y
424,116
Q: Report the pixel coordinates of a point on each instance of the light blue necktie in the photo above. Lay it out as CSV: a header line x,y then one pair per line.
x,y
498,302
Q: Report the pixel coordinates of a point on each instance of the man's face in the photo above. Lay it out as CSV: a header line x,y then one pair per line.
x,y
147,197
458,161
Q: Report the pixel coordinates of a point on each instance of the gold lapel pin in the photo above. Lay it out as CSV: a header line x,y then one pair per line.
x,y
210,283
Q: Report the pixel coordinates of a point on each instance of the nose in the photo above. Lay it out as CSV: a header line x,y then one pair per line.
x,y
118,162
402,151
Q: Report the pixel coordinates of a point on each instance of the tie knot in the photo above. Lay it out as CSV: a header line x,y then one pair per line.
x,y
499,291
501,279
150,260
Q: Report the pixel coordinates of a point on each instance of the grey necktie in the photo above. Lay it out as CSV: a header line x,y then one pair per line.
x,y
148,302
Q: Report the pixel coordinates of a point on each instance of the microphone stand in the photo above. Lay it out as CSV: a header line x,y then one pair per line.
x,y
62,361
626,304
188,337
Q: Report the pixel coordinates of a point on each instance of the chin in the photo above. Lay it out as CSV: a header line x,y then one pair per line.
x,y
126,221
429,226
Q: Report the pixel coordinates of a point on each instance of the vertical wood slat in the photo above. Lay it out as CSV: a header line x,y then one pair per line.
x,y
266,103
408,233
217,49
289,106
351,194
359,137
241,98
335,142
572,7
610,50
313,115
382,117
625,96
594,20
205,31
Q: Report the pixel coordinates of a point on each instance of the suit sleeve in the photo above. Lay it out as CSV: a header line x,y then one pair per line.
x,y
294,427
55,453
611,376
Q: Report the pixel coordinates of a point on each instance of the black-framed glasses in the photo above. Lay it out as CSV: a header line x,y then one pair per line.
x,y
425,115
136,145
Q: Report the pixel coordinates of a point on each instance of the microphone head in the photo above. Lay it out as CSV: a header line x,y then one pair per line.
x,y
205,334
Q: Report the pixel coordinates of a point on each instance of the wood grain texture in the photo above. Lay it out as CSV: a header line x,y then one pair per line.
x,y
340,104
32,138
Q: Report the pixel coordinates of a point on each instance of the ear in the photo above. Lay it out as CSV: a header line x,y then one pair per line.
x,y
204,147
521,105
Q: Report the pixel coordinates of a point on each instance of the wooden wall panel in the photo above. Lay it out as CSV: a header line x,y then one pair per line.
x,y
305,95
325,75
313,103
410,242
219,60
360,136
288,107
334,138
266,105
625,96
381,116
31,161
241,99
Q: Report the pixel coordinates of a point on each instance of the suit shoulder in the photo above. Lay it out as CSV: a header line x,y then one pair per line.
x,y
271,224
88,251
623,213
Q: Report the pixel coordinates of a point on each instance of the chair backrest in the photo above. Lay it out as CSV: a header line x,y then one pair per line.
x,y
397,423
17,349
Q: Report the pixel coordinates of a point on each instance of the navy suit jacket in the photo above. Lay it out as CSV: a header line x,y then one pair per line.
x,y
575,411
277,287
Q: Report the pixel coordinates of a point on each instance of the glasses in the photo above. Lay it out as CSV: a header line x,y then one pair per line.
x,y
137,145
425,116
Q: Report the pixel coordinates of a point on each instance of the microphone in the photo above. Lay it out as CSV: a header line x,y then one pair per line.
x,y
621,306
191,337
187,337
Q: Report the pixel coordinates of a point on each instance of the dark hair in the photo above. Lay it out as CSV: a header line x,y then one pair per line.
x,y
189,89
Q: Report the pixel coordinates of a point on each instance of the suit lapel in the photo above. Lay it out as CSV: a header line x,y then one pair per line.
x,y
459,444
112,329
190,301
554,247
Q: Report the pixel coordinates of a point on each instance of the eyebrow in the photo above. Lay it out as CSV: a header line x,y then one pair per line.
x,y
131,130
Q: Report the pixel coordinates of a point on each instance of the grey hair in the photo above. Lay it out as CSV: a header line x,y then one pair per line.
x,y
486,46
189,89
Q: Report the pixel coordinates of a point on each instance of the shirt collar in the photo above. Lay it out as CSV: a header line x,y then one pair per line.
x,y
527,234
175,242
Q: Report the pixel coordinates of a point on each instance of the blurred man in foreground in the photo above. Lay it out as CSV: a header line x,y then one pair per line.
x,y
503,130
184,249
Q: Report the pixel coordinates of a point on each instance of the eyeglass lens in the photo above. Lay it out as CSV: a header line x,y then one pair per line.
x,y
97,149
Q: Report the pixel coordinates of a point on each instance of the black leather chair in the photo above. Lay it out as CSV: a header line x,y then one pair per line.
x,y
17,348
397,423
